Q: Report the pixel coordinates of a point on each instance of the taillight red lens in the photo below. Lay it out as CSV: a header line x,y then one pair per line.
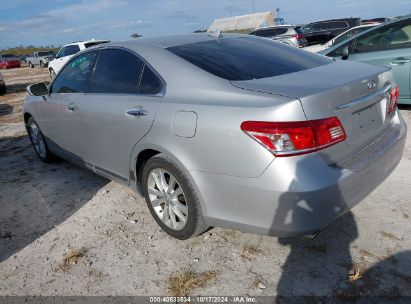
x,y
394,95
292,138
298,36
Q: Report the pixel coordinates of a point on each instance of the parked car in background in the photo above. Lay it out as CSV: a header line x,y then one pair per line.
x,y
252,135
2,85
347,34
288,34
41,58
8,61
67,51
375,20
323,31
23,58
387,44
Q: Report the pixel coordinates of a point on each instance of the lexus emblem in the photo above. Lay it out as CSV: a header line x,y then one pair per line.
x,y
371,84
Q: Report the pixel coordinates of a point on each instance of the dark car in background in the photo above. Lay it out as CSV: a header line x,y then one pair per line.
x,y
2,85
8,61
323,31
288,34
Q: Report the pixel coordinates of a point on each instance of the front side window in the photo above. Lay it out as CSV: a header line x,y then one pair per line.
x,y
247,58
117,71
349,34
390,37
75,77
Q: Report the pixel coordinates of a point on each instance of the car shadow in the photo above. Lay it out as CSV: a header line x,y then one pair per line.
x,y
322,269
5,109
34,196
404,107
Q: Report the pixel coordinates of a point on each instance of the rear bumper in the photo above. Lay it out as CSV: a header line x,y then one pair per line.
x,y
299,195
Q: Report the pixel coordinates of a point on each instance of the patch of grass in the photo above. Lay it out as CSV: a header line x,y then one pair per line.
x,y
71,258
250,251
184,282
366,253
355,274
390,236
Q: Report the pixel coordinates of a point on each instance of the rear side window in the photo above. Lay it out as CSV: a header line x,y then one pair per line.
x,y
75,77
247,58
71,50
150,83
117,71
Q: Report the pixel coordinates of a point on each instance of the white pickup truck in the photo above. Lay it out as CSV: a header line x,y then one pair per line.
x,y
69,50
40,58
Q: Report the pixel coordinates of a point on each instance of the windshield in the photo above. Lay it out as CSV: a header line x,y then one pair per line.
x,y
47,53
247,58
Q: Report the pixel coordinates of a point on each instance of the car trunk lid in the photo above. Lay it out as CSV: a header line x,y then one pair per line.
x,y
356,93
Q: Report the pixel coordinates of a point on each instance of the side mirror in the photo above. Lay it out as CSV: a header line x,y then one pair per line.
x,y
345,53
38,89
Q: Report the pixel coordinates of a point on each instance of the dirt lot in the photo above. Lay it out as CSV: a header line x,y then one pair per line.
x,y
67,231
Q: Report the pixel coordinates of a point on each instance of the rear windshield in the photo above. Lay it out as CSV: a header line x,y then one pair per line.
x,y
247,58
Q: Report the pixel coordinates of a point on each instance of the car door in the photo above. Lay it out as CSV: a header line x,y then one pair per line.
x,y
119,110
391,46
60,112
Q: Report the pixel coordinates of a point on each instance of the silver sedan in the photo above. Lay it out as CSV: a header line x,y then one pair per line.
x,y
231,131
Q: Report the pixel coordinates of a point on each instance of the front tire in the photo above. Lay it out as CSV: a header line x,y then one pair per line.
x,y
31,65
41,64
171,198
39,142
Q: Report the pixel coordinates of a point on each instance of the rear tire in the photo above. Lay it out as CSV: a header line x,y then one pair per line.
x,y
39,142
171,198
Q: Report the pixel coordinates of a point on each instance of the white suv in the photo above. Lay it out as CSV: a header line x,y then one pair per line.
x,y
67,51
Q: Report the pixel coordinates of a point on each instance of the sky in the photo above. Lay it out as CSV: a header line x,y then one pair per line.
x,y
56,22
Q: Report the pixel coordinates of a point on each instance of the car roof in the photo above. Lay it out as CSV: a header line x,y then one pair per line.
x,y
170,41
85,41
276,26
372,28
338,19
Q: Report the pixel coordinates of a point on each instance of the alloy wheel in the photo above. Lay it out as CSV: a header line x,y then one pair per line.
x,y
38,140
167,198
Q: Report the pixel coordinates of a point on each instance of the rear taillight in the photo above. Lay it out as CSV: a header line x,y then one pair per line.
x,y
298,36
394,95
293,138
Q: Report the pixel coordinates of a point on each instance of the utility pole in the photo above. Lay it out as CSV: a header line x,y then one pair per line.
x,y
253,7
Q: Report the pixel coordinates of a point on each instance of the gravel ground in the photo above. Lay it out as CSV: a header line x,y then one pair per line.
x,y
67,231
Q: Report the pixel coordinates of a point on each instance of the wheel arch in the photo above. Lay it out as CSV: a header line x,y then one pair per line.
x,y
141,154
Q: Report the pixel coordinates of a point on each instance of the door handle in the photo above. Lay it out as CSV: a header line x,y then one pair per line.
x,y
72,107
399,61
137,112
